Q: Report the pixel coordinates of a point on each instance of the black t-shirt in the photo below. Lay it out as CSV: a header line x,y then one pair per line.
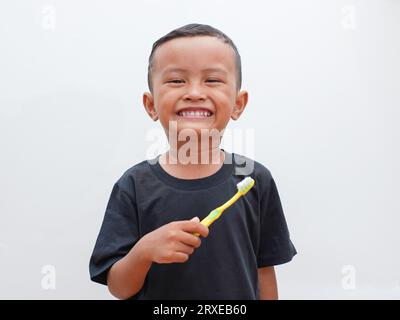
x,y
250,234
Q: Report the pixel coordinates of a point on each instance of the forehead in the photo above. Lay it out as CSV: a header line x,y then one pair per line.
x,y
194,54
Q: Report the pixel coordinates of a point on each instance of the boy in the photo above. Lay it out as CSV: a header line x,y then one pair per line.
x,y
146,248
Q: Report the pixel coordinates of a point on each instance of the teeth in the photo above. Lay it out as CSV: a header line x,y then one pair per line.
x,y
194,113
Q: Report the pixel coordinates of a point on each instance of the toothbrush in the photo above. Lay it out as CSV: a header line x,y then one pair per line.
x,y
243,187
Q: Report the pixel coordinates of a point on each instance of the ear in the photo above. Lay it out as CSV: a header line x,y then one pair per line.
x,y
148,103
241,102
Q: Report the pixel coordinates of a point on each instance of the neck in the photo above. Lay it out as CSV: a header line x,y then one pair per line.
x,y
191,166
184,156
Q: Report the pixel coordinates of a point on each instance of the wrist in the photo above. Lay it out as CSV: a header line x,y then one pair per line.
x,y
142,252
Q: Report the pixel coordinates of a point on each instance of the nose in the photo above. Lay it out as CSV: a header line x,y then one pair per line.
x,y
194,92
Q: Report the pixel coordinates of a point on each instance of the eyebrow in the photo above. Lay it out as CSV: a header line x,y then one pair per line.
x,y
204,70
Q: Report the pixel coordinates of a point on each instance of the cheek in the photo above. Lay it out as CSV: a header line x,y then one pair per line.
x,y
224,100
164,100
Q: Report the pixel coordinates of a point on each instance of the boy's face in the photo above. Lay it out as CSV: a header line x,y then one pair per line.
x,y
195,84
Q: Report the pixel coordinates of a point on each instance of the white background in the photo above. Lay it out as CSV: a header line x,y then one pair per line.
x,y
324,85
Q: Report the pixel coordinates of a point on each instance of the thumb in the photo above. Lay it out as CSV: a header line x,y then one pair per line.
x,y
196,219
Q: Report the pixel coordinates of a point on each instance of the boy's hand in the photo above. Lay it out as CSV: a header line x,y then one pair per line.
x,y
173,242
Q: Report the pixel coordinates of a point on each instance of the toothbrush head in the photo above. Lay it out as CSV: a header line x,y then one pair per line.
x,y
245,185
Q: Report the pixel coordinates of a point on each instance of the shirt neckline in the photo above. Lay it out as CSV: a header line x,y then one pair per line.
x,y
218,177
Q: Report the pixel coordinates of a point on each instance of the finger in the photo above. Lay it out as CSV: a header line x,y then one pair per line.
x,y
180,257
194,227
190,239
184,248
195,219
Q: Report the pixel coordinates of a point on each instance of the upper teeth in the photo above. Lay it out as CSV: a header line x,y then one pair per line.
x,y
195,113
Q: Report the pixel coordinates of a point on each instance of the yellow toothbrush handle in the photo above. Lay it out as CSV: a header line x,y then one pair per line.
x,y
216,213
207,221
231,201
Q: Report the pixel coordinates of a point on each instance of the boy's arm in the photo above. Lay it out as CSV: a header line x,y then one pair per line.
x,y
267,283
126,276
171,243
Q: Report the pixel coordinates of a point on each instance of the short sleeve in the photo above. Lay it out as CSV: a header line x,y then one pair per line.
x,y
118,233
275,246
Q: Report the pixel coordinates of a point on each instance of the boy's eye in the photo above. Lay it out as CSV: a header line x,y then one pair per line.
x,y
176,81
181,81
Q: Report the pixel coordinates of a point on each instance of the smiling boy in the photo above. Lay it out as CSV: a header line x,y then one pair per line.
x,y
146,248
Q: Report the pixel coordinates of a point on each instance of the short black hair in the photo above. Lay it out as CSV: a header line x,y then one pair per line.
x,y
192,30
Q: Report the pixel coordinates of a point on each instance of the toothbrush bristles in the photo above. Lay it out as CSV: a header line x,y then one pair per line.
x,y
245,185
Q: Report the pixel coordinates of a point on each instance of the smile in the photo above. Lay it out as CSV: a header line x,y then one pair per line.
x,y
195,114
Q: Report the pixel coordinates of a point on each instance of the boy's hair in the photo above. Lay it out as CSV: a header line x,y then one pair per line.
x,y
192,30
